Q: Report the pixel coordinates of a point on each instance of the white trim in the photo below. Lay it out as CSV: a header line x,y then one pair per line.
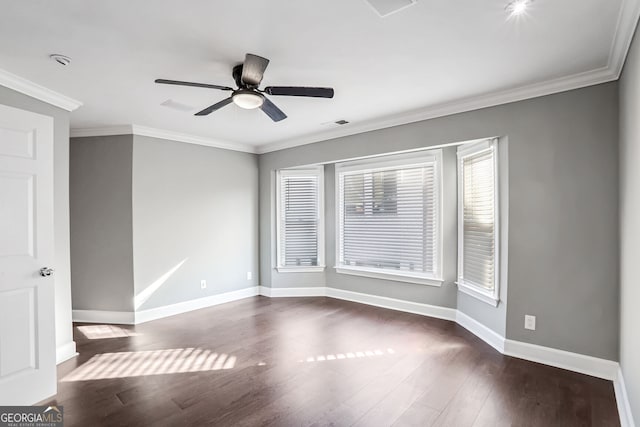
x,y
162,134
392,161
562,84
492,296
406,277
622,400
137,317
309,269
102,316
191,305
105,131
596,367
487,335
65,352
476,293
36,91
445,313
293,292
625,29
318,172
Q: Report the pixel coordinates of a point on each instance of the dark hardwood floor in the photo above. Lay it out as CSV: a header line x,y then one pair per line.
x,y
314,361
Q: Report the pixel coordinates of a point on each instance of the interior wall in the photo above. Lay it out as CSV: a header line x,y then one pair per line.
x,y
101,223
62,277
563,208
195,217
630,225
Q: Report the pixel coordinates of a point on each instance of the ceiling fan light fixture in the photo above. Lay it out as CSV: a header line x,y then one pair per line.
x,y
247,99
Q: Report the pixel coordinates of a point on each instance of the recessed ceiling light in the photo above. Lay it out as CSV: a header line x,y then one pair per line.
x,y
60,59
518,7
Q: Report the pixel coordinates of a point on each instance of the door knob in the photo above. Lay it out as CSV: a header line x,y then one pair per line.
x,y
46,271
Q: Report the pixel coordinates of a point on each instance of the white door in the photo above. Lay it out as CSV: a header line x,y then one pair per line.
x,y
27,331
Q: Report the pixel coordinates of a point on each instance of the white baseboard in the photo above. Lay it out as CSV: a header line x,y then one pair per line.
x,y
394,304
65,352
487,335
103,316
596,367
622,400
134,318
293,292
196,304
588,365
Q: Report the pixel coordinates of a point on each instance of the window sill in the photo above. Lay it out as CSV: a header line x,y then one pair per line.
x,y
310,269
476,293
398,277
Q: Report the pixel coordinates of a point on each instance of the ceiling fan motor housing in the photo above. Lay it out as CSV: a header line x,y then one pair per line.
x,y
237,76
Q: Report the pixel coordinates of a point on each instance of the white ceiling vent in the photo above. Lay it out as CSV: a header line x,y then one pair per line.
x,y
170,103
388,7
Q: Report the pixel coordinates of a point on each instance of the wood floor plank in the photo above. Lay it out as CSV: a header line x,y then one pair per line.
x,y
314,361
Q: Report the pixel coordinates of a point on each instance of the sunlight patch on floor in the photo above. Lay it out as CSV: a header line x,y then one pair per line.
x,y
349,355
98,332
155,362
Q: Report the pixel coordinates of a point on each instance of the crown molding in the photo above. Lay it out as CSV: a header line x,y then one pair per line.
x,y
576,81
105,131
623,36
36,91
625,30
162,134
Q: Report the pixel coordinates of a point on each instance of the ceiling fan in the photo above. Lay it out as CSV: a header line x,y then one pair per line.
x,y
248,95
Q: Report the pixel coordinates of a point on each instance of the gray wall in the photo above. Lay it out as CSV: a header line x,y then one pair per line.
x,y
563,209
630,225
198,204
101,232
62,278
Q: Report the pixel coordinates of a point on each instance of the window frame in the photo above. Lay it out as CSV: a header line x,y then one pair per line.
x,y
317,171
406,160
464,151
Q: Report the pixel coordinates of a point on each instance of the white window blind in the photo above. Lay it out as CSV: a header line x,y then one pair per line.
x,y
389,214
299,219
478,220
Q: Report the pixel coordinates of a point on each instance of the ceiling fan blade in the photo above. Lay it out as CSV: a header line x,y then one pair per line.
x,y
192,84
315,92
214,107
272,111
253,69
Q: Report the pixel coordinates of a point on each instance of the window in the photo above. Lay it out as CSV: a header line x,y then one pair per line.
x,y
478,220
300,223
389,218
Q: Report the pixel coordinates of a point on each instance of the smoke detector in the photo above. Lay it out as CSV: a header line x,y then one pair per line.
x,y
60,59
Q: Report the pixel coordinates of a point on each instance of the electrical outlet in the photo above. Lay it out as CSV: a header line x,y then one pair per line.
x,y
249,275
530,322
203,284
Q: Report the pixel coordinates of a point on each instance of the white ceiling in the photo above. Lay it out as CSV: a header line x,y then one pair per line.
x,y
428,55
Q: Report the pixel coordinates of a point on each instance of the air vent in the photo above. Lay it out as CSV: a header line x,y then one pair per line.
x,y
170,103
388,7
341,122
